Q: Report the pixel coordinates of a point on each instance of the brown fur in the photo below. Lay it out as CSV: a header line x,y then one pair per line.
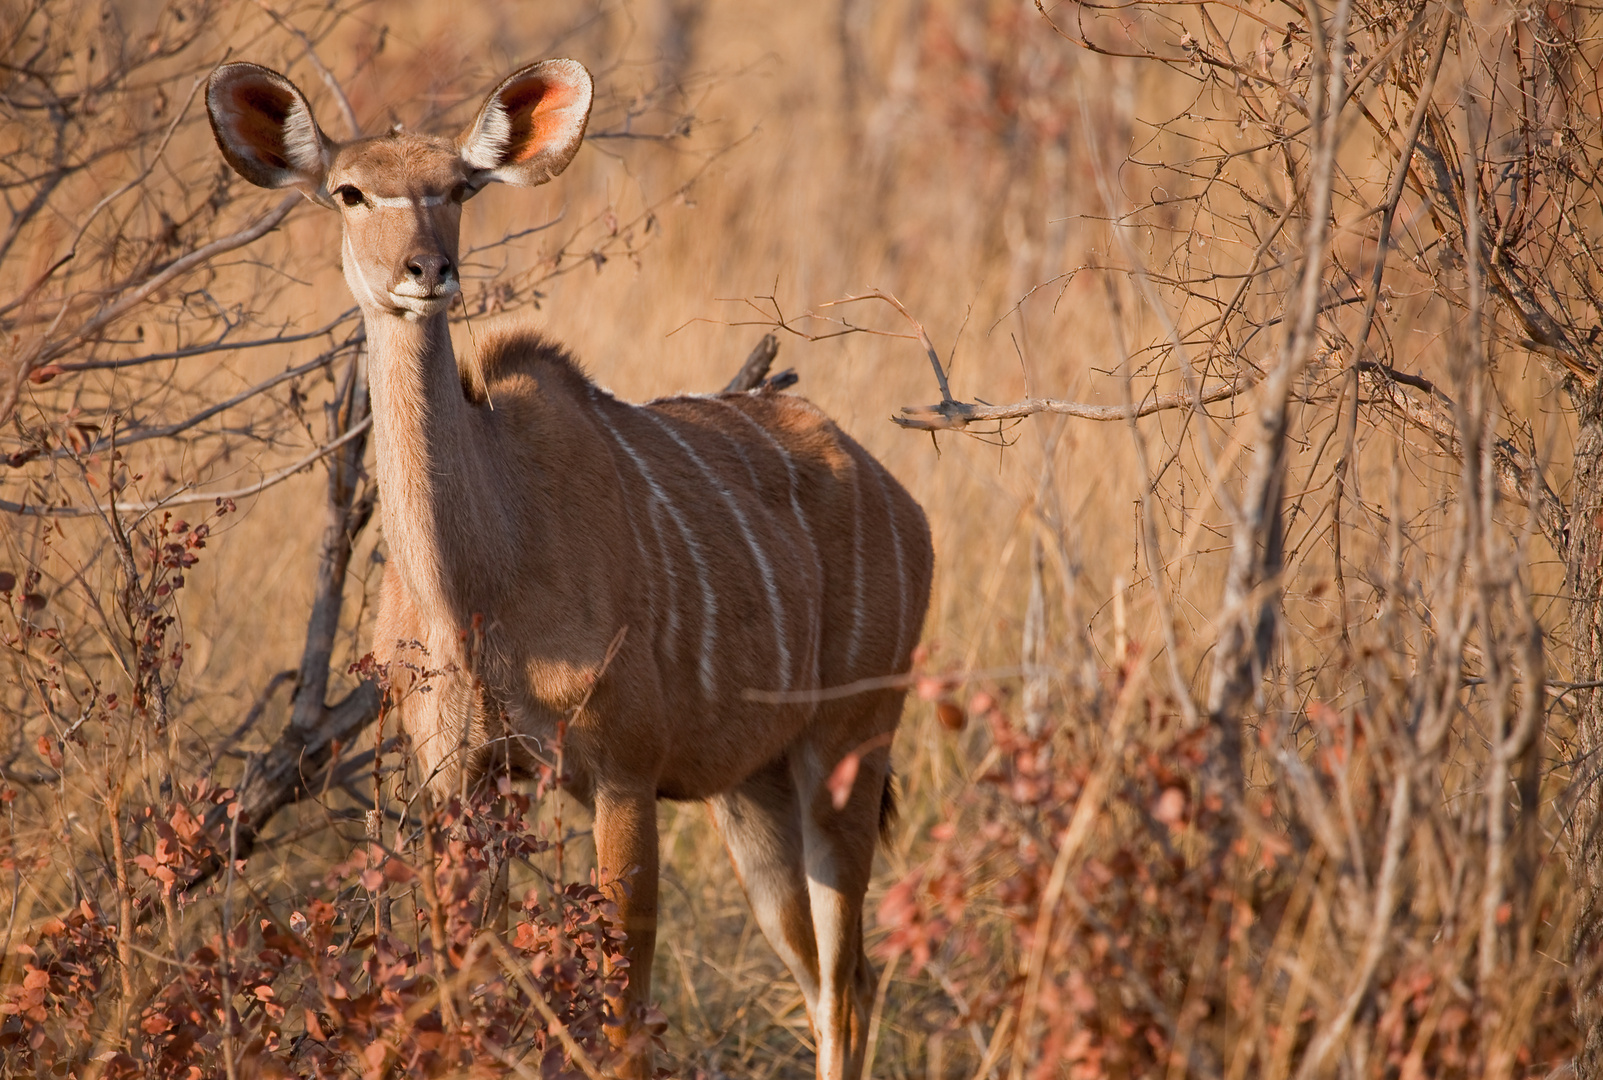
x,y
741,551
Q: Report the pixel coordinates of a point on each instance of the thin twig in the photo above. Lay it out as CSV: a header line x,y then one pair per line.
x,y
553,1022
49,349
196,496
918,331
956,415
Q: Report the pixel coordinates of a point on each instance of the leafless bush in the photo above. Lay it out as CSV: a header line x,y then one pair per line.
x,y
332,991
1389,762
154,356
1313,792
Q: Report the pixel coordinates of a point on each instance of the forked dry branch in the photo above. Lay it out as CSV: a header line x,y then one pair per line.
x,y
956,415
110,384
1279,780
1292,257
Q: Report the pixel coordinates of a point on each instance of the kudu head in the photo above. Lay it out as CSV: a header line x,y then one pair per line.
x,y
400,195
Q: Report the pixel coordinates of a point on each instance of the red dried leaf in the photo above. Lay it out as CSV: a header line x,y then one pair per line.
x,y
841,780
1171,807
48,750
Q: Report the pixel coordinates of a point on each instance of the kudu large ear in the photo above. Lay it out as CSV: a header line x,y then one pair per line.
x,y
530,126
265,129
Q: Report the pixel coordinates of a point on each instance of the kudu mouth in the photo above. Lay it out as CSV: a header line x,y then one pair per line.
x,y
426,286
414,298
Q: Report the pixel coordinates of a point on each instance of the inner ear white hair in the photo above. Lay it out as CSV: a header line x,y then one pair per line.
x,y
530,126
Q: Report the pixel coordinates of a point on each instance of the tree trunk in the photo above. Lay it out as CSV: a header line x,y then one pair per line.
x,y
1585,559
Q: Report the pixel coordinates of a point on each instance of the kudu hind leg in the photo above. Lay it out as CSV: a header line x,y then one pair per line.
x,y
839,847
760,821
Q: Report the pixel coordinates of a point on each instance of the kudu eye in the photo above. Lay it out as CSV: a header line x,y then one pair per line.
x,y
350,196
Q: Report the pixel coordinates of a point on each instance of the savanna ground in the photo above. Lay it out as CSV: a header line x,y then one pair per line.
x,y
1251,736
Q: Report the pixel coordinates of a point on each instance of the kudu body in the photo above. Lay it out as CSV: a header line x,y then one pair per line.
x,y
714,545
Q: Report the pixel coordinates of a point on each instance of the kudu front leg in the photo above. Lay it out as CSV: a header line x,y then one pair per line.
x,y
626,859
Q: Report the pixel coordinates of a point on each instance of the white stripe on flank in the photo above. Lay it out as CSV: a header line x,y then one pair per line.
x,y
671,635
814,616
709,602
854,640
757,555
901,572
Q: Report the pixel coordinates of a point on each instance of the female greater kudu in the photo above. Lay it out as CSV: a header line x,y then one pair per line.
x,y
737,542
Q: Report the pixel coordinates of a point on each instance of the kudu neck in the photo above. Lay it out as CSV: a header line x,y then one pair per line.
x,y
412,357
436,459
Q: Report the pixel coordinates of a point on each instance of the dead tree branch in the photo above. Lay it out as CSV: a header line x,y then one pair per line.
x,y
755,369
50,347
1519,474
956,415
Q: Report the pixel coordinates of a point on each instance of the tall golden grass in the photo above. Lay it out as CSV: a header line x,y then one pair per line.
x,y
1065,893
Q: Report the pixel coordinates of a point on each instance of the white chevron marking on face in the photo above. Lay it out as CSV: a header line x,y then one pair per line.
x,y
404,202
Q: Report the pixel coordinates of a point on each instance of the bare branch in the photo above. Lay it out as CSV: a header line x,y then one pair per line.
x,y
956,415
755,369
179,426
918,331
176,499
222,344
48,349
1519,475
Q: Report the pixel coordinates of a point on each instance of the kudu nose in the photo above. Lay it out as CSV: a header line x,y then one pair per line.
x,y
429,270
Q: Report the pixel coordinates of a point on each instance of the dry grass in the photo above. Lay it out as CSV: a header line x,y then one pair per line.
x,y
957,156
